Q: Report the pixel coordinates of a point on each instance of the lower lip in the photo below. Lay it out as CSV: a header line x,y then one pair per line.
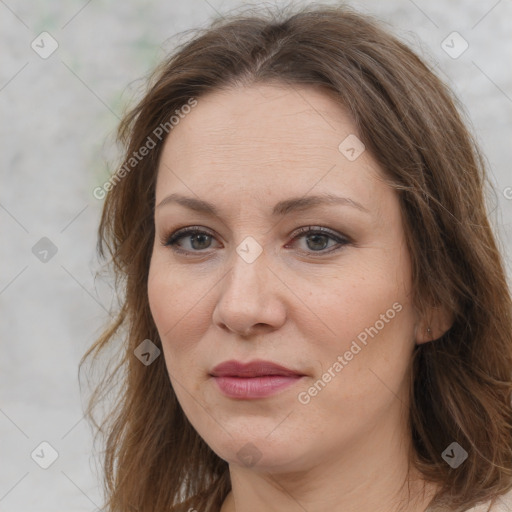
x,y
254,387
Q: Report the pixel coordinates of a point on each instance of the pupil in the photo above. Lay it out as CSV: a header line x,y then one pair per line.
x,y
204,237
317,237
318,241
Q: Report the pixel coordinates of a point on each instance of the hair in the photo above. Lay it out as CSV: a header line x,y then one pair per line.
x,y
412,125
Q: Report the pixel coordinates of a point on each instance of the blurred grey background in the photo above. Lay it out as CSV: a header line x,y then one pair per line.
x,y
68,72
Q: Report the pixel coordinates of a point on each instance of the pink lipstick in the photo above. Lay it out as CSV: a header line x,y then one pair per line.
x,y
256,379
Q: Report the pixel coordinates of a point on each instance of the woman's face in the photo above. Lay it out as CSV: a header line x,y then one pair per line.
x,y
333,306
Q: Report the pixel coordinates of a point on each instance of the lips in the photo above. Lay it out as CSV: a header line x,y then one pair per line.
x,y
256,379
252,369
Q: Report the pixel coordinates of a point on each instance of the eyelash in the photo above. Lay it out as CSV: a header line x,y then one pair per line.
x,y
172,239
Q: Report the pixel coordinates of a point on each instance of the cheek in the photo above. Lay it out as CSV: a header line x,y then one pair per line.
x,y
162,296
171,295
348,303
165,295
368,319
179,307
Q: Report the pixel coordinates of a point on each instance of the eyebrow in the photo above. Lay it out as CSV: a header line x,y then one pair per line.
x,y
294,204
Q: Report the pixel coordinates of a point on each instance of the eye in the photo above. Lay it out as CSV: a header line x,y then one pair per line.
x,y
198,240
317,239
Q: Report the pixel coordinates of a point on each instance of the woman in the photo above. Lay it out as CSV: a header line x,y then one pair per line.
x,y
315,313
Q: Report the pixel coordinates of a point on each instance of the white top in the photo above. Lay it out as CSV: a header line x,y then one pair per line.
x,y
503,504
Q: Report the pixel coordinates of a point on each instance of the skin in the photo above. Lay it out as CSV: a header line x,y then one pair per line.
x,y
297,304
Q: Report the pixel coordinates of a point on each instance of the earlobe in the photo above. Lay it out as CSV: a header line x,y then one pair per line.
x,y
424,334
433,325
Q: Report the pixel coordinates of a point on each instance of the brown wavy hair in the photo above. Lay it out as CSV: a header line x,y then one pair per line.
x,y
413,126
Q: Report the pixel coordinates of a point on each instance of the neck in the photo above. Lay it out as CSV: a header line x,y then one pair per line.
x,y
291,493
370,474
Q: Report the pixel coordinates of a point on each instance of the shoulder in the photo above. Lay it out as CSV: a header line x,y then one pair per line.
x,y
502,504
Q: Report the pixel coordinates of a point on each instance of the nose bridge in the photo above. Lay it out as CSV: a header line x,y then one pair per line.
x,y
244,281
246,297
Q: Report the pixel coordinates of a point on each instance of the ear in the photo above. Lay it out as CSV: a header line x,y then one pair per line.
x,y
434,323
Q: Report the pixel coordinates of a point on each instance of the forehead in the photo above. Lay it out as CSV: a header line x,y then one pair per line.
x,y
276,116
266,138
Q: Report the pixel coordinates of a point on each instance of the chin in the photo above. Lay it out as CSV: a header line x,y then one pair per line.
x,y
258,452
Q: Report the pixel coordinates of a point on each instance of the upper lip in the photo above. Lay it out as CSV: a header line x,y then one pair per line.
x,y
257,368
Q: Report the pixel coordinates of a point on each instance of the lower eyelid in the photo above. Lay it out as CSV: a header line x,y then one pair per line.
x,y
173,239
340,243
340,240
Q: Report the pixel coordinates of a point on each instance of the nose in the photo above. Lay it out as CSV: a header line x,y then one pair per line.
x,y
251,299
